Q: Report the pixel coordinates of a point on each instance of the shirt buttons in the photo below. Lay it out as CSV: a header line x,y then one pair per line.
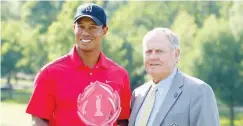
x,y
90,74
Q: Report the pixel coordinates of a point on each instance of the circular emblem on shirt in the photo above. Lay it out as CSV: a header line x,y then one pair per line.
x,y
98,105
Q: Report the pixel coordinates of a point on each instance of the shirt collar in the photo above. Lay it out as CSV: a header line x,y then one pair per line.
x,y
102,62
166,82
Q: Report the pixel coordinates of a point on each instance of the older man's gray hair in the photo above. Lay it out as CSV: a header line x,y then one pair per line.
x,y
173,38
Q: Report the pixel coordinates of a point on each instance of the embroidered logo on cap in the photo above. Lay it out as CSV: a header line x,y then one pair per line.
x,y
89,8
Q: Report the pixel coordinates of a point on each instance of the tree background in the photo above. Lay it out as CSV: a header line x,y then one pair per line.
x,y
34,33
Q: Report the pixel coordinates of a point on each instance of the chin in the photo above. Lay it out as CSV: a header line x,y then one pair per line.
x,y
155,73
87,50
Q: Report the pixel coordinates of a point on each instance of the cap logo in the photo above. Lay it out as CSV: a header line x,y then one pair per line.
x,y
89,8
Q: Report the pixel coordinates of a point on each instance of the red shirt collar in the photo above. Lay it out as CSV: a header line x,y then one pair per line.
x,y
102,62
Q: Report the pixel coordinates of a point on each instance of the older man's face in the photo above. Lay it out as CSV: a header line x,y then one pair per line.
x,y
160,57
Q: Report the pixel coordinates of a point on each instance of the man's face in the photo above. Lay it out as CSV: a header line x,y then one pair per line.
x,y
88,35
160,57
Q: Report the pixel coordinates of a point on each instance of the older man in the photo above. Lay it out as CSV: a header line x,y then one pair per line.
x,y
172,98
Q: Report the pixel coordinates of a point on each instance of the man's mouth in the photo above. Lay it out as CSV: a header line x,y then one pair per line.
x,y
85,40
154,64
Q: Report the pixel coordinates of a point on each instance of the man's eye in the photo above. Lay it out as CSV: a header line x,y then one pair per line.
x,y
92,27
148,52
79,26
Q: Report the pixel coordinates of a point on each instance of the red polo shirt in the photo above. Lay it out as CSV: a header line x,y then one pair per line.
x,y
58,85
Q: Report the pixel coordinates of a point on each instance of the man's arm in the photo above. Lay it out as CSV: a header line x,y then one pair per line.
x,y
41,104
125,98
122,122
203,108
36,121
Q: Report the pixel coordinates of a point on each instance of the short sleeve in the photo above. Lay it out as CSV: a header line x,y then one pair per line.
x,y
42,103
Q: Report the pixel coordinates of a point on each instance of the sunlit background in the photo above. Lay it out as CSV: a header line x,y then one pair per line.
x,y
34,33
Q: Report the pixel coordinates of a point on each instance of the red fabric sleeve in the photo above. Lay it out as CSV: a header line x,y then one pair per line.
x,y
42,103
125,98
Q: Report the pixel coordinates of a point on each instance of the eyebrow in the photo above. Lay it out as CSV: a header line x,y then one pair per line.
x,y
155,49
90,24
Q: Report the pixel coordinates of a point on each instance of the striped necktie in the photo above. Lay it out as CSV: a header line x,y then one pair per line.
x,y
147,107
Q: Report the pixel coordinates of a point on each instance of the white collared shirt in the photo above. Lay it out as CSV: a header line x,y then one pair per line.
x,y
163,87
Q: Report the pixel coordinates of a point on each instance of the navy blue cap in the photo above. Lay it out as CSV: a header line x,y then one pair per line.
x,y
92,11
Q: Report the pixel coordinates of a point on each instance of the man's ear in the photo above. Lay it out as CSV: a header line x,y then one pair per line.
x,y
177,55
74,27
105,30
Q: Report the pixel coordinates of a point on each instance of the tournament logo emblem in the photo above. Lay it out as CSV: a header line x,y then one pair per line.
x,y
99,105
89,8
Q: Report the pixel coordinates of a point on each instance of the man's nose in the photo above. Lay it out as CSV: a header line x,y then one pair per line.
x,y
153,56
85,33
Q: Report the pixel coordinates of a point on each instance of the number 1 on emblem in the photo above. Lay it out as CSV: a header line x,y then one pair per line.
x,y
98,106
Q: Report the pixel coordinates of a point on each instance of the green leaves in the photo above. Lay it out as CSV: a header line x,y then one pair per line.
x,y
221,58
211,35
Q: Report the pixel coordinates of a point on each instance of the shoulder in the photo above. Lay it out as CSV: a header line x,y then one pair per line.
x,y
141,89
192,80
116,67
195,85
55,64
45,73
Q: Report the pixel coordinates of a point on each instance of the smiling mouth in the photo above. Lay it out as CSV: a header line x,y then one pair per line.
x,y
154,65
85,40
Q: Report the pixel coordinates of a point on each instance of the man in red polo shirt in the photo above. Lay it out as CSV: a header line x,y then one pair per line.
x,y
58,84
